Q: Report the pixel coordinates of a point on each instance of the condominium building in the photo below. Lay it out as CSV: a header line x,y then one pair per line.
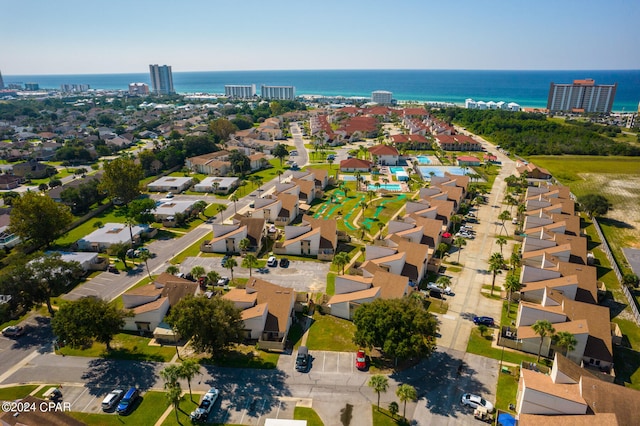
x,y
1,81
278,92
381,97
161,79
240,91
581,96
138,89
74,88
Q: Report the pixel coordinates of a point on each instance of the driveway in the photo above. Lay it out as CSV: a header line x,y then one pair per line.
x,y
301,276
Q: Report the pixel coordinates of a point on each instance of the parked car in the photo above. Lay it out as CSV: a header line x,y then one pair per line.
x,y
112,268
223,281
434,287
112,399
303,359
128,401
476,401
13,331
293,153
488,321
284,262
272,261
361,360
201,414
169,195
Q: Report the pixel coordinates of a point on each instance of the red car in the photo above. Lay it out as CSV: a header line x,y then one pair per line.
x,y
361,360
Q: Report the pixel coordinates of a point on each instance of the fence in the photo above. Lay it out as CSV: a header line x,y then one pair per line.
x,y
605,248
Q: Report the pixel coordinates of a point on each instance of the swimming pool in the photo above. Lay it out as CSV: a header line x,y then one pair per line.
x,y
425,171
396,187
396,169
421,159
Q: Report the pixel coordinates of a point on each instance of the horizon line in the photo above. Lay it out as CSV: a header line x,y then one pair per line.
x,y
342,69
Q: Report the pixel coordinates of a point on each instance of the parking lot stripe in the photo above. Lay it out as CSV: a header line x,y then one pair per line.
x,y
324,357
90,403
338,364
76,400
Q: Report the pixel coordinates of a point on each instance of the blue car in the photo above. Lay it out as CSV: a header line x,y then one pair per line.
x,y
128,401
488,321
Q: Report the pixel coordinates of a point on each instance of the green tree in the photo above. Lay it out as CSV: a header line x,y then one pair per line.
x,y
443,281
496,261
565,341
198,271
250,261
172,269
456,220
630,280
121,179
542,328
86,319
504,216
213,325
221,208
244,244
501,241
235,199
119,250
482,329
48,276
393,409
442,249
459,242
378,383
401,328
594,204
280,152
511,284
213,277
170,374
406,393
199,207
222,128
144,256
341,260
39,219
174,395
188,370
230,263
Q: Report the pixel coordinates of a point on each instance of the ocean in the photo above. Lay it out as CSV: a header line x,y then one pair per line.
x,y
527,88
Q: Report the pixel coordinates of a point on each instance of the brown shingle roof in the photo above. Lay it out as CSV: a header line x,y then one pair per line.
x,y
279,300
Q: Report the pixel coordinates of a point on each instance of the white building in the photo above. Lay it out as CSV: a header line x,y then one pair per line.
x,y
111,233
381,97
239,91
161,79
278,92
138,89
217,184
170,183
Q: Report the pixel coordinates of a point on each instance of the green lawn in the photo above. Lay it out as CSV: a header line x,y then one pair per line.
x,y
245,357
149,410
308,414
482,346
331,283
186,406
383,417
329,333
16,392
125,346
507,389
192,251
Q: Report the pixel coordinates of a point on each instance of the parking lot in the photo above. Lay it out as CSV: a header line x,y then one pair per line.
x,y
254,410
326,362
300,275
81,399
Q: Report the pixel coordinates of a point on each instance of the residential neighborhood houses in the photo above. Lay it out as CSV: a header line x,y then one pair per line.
x,y
373,224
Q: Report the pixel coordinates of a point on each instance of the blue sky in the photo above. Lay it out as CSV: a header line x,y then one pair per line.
x,y
112,36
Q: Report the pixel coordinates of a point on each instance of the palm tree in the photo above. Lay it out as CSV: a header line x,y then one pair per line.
x,y
174,395
170,374
244,244
380,227
250,261
220,208
371,193
504,216
566,341
542,328
230,263
406,393
459,242
198,271
495,267
442,248
511,201
199,207
378,383
511,284
443,281
173,269
515,260
279,173
341,260
363,205
235,199
213,277
145,256
501,241
456,219
188,369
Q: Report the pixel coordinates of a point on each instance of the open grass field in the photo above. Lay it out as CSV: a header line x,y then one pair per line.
x,y
329,333
125,346
618,179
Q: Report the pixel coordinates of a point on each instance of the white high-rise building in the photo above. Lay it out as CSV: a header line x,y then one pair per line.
x,y
381,97
1,81
278,92
240,91
581,96
161,79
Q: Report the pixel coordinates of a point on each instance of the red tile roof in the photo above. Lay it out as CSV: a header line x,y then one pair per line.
x,y
383,150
